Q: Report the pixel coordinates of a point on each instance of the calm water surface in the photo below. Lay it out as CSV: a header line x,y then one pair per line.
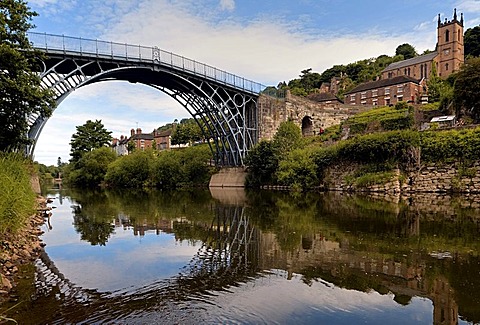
x,y
254,258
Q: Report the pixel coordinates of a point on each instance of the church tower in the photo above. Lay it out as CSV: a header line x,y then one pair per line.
x,y
450,45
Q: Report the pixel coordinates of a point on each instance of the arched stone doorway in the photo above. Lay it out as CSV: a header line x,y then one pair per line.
x,y
307,127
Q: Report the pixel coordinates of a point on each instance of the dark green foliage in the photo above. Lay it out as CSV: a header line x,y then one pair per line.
x,y
467,84
406,50
187,132
20,92
451,145
298,170
378,147
132,171
287,138
262,162
165,170
472,41
89,136
349,75
90,170
263,159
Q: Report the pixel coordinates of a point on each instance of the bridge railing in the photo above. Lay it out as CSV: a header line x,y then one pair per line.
x,y
89,47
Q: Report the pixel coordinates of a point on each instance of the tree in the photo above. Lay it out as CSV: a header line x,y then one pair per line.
x,y
90,136
20,92
90,170
287,138
187,131
407,50
466,95
262,162
472,41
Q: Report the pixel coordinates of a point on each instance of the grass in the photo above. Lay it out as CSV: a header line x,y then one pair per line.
x,y
17,199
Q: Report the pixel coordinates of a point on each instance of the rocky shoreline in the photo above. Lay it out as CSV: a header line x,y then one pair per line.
x,y
21,248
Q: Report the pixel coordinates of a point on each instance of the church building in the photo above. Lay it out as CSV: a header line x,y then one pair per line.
x,y
448,57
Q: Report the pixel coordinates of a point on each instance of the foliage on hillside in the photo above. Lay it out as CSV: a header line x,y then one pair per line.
x,y
17,199
399,117
304,167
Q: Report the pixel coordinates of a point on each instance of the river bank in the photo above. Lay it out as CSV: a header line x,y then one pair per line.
x,y
20,249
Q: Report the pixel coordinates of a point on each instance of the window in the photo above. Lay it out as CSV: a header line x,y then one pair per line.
x,y
446,66
375,102
387,91
447,36
400,89
352,98
374,93
364,102
364,95
408,71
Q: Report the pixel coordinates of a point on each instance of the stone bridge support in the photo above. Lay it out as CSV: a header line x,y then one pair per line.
x,y
309,115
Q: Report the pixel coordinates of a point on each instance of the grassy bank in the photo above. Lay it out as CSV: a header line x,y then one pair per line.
x,y
17,199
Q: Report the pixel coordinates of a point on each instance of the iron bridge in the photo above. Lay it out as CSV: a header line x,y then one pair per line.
x,y
224,103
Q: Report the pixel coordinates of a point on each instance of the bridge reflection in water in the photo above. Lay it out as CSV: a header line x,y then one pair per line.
x,y
236,249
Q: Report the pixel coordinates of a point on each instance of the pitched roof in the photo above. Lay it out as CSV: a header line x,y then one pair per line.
x,y
416,60
382,83
142,136
323,97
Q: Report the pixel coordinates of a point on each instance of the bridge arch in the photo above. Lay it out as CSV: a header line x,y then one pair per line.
x,y
224,103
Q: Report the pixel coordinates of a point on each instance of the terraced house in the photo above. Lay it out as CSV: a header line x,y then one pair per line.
x,y
406,80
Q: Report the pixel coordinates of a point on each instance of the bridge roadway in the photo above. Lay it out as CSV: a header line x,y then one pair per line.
x,y
225,103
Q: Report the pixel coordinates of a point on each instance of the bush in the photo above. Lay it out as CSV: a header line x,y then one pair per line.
x,y
298,170
17,199
446,146
91,168
132,171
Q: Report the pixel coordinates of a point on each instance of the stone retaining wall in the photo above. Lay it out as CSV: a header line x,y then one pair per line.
x,y
429,178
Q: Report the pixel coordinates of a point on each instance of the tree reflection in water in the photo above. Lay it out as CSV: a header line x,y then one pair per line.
x,y
404,247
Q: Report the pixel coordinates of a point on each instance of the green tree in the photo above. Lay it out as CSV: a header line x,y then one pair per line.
x,y
287,138
407,50
472,41
92,167
89,136
20,92
466,89
262,163
186,132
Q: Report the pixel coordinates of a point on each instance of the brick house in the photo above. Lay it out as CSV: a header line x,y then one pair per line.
x,y
163,139
141,140
385,92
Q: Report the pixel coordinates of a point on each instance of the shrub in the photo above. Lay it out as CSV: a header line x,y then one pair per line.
x,y
298,170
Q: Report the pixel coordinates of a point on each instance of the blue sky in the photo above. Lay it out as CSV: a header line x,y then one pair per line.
x,y
267,41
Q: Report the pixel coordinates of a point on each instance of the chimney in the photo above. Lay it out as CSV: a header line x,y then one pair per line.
x,y
139,131
132,132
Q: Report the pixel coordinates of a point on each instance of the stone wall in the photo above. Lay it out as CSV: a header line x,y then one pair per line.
x,y
273,111
429,178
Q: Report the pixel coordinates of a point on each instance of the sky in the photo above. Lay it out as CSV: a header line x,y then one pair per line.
x,y
267,41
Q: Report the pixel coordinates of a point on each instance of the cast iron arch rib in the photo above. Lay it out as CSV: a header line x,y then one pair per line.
x,y
226,104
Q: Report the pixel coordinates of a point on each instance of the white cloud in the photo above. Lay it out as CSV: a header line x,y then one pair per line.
x,y
228,5
469,6
267,50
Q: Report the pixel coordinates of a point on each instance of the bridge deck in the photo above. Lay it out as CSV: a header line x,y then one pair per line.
x,y
89,48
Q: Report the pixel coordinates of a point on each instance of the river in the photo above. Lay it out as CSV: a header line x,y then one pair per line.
x,y
229,256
